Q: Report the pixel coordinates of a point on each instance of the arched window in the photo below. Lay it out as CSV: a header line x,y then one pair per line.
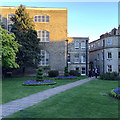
x,y
44,58
41,18
43,35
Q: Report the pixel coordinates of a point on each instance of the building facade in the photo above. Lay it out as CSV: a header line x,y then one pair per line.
x,y
51,27
105,52
78,54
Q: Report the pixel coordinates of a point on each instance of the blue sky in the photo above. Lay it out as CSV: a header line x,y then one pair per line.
x,y
85,19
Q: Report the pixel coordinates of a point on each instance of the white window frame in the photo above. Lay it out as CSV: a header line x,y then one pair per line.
x,y
42,18
102,43
83,59
102,56
108,56
40,35
82,71
77,45
83,45
109,68
76,58
44,59
109,41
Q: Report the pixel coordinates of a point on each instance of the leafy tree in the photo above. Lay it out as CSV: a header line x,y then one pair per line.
x,y
23,28
9,49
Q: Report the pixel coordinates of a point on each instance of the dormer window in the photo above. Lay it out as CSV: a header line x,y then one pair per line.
x,y
41,18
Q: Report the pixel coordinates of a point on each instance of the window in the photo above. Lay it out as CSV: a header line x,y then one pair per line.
x,y
98,44
43,35
109,42
83,71
109,55
44,58
83,45
94,45
119,69
76,45
102,43
9,22
76,59
118,54
41,18
102,56
77,68
68,57
97,56
109,68
83,59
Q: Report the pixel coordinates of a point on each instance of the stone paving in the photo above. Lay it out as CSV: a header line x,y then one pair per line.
x,y
20,104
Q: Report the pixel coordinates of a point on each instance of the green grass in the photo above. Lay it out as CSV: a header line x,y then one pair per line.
x,y
12,88
90,100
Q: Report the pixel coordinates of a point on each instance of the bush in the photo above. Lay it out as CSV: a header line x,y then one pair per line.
x,y
109,76
115,93
66,73
74,73
53,73
39,76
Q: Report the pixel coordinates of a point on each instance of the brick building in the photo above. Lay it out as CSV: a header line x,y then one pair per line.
x,y
51,27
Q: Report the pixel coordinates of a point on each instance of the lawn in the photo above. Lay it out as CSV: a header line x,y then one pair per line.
x,y
12,88
90,100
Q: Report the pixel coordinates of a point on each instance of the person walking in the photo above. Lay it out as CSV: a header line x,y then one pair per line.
x,y
96,73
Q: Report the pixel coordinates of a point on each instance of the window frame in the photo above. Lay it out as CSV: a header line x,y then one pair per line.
x,y
76,45
42,18
82,71
44,60
43,35
108,55
83,59
83,47
77,59
109,68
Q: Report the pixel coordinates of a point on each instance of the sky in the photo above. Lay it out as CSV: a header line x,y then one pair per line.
x,y
85,19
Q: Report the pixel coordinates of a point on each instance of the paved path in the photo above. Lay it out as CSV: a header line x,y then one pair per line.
x,y
20,104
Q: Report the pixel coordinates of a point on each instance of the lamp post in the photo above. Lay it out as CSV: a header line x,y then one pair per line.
x,y
87,57
67,54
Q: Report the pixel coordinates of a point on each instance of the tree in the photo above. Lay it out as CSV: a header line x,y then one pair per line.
x,y
66,73
23,28
39,76
9,49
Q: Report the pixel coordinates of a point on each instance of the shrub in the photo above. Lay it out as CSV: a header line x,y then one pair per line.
x,y
53,73
115,93
109,76
66,73
39,76
74,73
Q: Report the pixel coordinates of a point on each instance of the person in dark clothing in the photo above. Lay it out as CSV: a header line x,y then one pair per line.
x,y
96,72
90,73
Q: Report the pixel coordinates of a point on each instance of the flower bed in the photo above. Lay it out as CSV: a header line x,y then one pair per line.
x,y
37,83
66,77
115,93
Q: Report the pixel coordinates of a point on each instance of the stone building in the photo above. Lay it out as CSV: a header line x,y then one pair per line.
x,y
104,53
78,54
51,27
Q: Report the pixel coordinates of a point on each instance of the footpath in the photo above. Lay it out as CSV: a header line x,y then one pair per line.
x,y
20,104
